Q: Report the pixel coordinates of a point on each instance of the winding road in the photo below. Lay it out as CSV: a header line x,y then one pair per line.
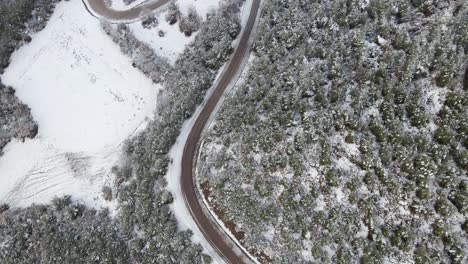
x,y
225,246
222,243
101,10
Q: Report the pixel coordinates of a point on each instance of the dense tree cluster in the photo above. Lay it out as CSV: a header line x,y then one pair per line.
x,y
63,232
145,230
173,13
18,19
149,21
190,23
15,118
347,141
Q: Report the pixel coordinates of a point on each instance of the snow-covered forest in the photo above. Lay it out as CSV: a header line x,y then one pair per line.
x,y
344,142
347,141
144,230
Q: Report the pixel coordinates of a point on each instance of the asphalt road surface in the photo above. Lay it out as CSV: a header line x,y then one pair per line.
x,y
220,241
100,9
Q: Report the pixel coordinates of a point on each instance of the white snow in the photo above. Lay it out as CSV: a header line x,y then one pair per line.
x,y
381,41
120,5
400,259
269,234
320,203
86,98
351,149
339,195
202,6
363,231
344,164
244,13
307,255
434,100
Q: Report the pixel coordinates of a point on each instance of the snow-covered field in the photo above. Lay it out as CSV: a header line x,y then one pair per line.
x,y
86,98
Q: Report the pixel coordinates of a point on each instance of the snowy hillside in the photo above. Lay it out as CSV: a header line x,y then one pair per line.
x,y
86,98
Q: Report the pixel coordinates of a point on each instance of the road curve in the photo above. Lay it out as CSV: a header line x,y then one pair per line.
x,y
101,10
220,241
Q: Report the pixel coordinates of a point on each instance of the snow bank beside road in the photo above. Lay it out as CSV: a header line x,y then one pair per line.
x,y
181,212
86,98
202,6
120,5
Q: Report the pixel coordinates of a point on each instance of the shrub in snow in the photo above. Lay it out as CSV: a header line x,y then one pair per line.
x,y
4,207
107,193
173,13
149,20
15,118
190,23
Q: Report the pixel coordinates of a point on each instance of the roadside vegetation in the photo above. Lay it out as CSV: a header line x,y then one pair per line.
x,y
347,141
145,230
